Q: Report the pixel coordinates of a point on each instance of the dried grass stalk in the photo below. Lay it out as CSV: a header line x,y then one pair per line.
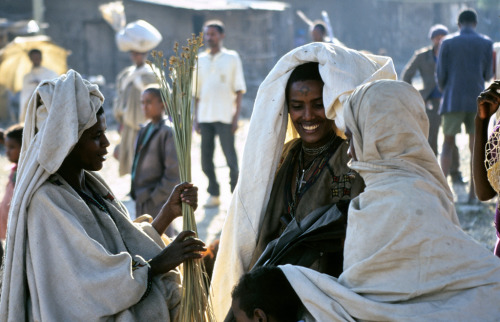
x,y
178,98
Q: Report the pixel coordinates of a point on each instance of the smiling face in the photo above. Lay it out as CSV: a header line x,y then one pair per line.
x,y
90,151
305,106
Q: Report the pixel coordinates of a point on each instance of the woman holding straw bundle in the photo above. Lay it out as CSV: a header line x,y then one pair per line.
x,y
72,253
278,193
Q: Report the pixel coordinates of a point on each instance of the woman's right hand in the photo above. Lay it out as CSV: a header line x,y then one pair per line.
x,y
488,101
184,247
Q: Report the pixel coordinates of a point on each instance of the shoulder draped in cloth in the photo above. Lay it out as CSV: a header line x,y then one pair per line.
x,y
342,70
405,255
66,260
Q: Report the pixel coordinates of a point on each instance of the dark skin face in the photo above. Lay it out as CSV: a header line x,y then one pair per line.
x,y
12,149
152,106
307,112
88,154
36,59
138,58
240,315
213,38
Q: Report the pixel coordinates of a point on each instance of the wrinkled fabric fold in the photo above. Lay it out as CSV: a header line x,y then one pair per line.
x,y
342,70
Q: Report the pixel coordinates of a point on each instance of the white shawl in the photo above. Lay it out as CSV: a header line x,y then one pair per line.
x,y
342,70
405,256
61,250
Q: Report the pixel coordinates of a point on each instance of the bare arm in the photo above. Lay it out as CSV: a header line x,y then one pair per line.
x,y
487,104
183,192
236,116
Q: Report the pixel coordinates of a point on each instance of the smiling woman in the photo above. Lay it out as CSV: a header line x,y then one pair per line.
x,y
312,182
294,181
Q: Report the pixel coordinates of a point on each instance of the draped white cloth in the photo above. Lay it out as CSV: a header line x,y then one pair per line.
x,y
65,261
342,70
405,257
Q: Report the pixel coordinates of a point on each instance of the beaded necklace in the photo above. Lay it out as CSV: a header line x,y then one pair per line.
x,y
301,185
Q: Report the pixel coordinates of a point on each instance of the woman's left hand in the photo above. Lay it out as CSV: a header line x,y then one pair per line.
x,y
183,192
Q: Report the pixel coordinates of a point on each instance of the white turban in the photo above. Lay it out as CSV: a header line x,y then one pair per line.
x,y
59,111
342,70
139,36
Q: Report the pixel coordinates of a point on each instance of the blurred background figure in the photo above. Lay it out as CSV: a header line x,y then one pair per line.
x,y
155,171
32,79
13,140
318,31
221,85
424,61
465,63
137,38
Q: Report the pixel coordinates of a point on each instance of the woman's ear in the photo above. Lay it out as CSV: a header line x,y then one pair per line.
x,y
259,315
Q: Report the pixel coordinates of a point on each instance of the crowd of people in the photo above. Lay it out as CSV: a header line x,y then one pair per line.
x,y
340,209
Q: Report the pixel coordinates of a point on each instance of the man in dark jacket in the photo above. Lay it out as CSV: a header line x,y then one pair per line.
x,y
424,61
465,63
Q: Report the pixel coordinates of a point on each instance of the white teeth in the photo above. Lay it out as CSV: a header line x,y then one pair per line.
x,y
310,128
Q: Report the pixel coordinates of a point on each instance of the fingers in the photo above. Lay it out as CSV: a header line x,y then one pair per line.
x,y
185,234
189,194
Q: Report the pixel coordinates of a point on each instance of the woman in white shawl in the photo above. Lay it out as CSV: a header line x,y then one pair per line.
x,y
72,253
405,257
341,70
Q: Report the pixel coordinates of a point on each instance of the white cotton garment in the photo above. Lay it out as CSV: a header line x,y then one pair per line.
x,y
405,256
139,36
63,260
342,70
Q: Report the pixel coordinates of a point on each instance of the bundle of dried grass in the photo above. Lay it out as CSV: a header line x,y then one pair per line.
x,y
194,304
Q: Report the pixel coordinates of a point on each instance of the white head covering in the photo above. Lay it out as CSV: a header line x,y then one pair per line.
x,y
139,36
59,111
342,70
405,256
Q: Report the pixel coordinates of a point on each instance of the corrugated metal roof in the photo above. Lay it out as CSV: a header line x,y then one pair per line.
x,y
220,4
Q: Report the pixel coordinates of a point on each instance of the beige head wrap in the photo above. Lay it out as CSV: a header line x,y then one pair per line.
x,y
59,111
405,256
341,69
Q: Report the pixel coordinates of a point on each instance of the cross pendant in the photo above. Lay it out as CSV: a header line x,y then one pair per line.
x,y
302,181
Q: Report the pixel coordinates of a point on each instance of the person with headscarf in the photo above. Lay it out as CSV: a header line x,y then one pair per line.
x,y
137,38
247,230
71,251
405,257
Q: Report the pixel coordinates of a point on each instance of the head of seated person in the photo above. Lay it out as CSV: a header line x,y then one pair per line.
x,y
304,98
265,295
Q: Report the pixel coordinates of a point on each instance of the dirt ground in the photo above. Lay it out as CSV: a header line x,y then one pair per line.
x,y
477,220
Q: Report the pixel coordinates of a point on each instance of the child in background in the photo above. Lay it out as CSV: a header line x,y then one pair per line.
x,y
155,171
13,139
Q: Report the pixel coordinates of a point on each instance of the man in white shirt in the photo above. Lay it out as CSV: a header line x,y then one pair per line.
x,y
31,80
220,86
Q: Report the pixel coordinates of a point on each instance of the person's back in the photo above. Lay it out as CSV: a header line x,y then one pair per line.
x,y
465,63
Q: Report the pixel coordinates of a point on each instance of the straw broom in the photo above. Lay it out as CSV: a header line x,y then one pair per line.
x,y
194,303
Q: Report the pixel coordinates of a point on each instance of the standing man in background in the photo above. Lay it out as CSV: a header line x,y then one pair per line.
x,y
465,63
31,80
424,61
220,86
137,38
